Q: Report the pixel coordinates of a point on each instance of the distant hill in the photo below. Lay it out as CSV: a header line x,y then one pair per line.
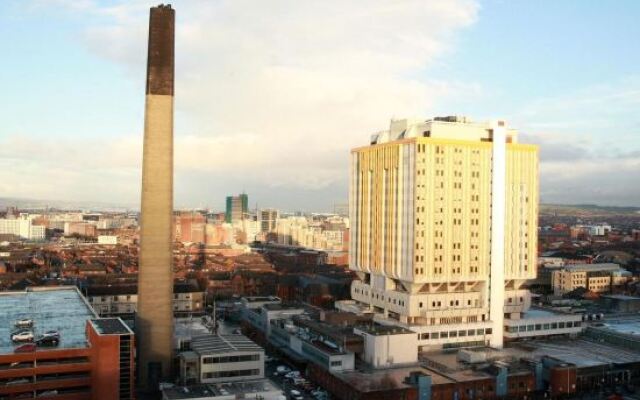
x,y
586,209
36,204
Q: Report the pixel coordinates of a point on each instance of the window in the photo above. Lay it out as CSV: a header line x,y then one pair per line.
x,y
337,363
230,359
453,334
435,335
444,335
230,374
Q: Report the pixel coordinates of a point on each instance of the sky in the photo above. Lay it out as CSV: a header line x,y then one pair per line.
x,y
272,95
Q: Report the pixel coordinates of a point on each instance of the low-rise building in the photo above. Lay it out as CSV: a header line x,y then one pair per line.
x,y
537,322
92,359
221,358
598,278
122,299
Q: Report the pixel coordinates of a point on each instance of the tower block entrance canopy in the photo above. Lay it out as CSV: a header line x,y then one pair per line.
x,y
154,321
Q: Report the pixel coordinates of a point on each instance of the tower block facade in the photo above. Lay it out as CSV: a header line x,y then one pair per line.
x,y
444,228
154,321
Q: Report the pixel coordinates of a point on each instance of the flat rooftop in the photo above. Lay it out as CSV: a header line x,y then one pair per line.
x,y
254,299
539,313
111,326
592,267
57,308
627,327
247,389
222,344
620,297
387,378
187,328
279,306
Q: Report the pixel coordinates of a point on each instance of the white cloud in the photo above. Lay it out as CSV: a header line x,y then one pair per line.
x,y
277,92
589,147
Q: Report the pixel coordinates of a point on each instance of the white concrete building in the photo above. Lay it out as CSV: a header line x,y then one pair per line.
x,y
107,239
385,346
22,227
443,229
221,358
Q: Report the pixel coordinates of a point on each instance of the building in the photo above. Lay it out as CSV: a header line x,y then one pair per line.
x,y
80,228
23,228
237,208
107,239
620,303
267,218
154,321
597,278
221,358
122,300
190,227
93,360
443,227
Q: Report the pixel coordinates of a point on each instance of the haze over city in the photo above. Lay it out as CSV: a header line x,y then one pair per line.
x,y
272,95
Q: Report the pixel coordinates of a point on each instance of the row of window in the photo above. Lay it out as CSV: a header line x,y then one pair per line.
x,y
454,334
230,374
230,359
544,327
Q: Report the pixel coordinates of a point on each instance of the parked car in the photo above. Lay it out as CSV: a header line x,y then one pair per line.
x,y
52,333
293,374
25,348
48,341
24,323
48,393
282,369
23,336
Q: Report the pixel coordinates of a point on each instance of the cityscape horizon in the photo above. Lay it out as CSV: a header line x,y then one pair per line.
x,y
280,253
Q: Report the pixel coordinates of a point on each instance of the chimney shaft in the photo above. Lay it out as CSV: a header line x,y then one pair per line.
x,y
154,319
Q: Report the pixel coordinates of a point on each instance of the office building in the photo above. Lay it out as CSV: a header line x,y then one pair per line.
x,y
443,228
597,278
237,208
121,300
94,358
267,218
221,358
154,323
23,228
